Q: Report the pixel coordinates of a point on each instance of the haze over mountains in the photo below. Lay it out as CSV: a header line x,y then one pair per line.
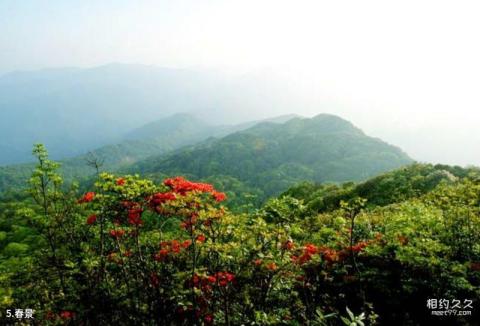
x,y
75,110
160,122
153,139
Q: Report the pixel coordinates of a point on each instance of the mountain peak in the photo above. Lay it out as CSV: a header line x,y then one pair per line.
x,y
275,156
321,124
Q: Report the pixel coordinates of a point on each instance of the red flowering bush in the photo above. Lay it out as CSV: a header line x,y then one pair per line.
x,y
91,219
88,197
175,254
133,252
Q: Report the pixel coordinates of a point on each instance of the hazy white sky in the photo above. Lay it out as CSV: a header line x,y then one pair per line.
x,y
405,71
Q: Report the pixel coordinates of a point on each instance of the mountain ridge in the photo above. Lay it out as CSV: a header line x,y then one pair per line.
x,y
168,134
273,156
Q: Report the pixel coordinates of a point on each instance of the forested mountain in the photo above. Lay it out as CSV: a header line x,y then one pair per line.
x,y
153,139
272,157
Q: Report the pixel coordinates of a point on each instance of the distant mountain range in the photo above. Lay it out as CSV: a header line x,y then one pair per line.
x,y
76,110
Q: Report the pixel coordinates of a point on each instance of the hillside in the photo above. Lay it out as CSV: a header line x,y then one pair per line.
x,y
273,157
153,139
388,188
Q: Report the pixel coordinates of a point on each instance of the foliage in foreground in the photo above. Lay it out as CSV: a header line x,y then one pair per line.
x,y
131,251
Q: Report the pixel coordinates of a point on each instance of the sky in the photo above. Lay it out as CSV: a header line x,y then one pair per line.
x,y
404,71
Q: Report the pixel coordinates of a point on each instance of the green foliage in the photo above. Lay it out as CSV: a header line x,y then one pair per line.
x,y
272,157
353,320
135,251
392,187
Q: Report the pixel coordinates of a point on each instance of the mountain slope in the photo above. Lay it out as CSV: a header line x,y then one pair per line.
x,y
388,188
272,156
153,139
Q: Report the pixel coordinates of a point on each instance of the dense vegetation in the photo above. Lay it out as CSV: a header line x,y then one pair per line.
x,y
130,251
392,187
272,157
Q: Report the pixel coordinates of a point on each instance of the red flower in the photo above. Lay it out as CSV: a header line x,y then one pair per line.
x,y
359,246
223,282
117,233
120,181
304,258
206,288
308,251
219,196
162,254
67,314
310,248
211,279
88,197
208,319
257,262
201,238
195,280
272,266
91,219
288,245
224,278
162,197
182,186
230,277
134,216
330,255
175,246
186,243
